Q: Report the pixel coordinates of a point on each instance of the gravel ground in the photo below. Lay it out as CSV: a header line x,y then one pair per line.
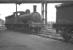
x,y
20,41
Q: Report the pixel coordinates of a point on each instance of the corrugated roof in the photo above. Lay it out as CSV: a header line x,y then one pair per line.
x,y
29,1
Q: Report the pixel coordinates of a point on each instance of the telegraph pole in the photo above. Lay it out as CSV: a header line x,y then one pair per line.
x,y
16,14
16,9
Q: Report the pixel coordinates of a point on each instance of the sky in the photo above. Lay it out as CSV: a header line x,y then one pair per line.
x,y
8,9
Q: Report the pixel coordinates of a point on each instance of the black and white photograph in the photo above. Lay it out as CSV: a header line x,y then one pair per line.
x,y
36,24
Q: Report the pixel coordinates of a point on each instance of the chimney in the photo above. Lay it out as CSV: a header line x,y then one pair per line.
x,y
34,8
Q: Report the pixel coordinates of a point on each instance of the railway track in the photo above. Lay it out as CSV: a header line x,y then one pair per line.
x,y
59,38
55,38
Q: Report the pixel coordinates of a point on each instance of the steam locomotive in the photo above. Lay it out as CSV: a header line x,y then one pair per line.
x,y
24,22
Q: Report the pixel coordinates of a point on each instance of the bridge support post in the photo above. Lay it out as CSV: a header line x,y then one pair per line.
x,y
46,13
42,11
